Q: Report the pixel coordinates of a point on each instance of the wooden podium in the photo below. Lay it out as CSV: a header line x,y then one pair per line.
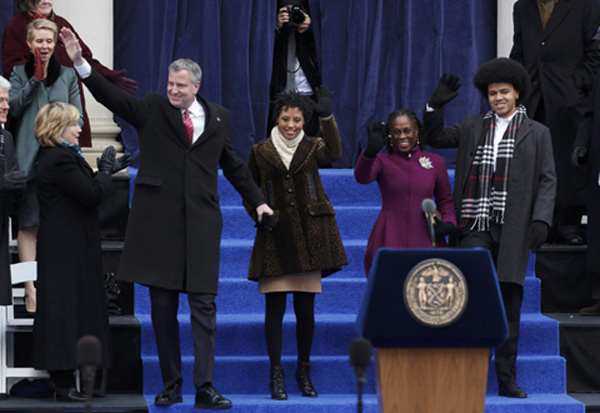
x,y
422,366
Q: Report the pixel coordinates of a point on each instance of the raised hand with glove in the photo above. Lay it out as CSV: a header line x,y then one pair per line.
x,y
324,102
378,138
446,90
106,161
537,235
39,72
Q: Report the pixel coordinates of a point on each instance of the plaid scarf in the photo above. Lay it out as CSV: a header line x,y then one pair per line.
x,y
484,196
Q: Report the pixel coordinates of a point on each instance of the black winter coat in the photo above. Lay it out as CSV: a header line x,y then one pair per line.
x,y
70,286
174,228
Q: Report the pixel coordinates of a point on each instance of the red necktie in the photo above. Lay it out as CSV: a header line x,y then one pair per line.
x,y
189,126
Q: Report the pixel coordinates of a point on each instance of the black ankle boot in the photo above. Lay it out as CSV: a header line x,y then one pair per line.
x,y
277,383
303,379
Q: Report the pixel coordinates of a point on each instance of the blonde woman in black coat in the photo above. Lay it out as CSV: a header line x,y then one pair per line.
x,y
71,301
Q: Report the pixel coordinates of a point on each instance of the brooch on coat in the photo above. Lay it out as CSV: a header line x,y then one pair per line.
x,y
425,162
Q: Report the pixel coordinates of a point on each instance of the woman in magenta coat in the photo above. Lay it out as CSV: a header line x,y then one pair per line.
x,y
406,176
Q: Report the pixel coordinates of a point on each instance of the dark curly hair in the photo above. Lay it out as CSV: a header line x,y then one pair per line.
x,y
292,99
502,70
415,120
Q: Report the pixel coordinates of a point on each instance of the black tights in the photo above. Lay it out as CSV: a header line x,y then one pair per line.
x,y
304,307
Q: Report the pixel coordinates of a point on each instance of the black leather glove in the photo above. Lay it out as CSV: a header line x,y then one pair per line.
x,y
446,90
578,156
268,221
324,102
121,162
106,161
537,235
377,139
14,180
442,228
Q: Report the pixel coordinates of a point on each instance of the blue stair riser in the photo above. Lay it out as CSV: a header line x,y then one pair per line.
x,y
244,336
250,375
262,403
341,294
334,375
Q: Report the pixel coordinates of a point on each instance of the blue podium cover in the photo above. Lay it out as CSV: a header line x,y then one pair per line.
x,y
384,319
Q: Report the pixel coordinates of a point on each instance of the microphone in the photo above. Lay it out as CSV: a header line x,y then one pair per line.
x,y
360,358
89,357
428,207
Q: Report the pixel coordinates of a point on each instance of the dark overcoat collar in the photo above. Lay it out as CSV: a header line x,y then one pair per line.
x,y
303,151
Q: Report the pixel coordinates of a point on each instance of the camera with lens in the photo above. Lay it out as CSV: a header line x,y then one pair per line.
x,y
296,16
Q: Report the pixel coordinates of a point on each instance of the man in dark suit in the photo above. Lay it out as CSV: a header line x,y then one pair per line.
x,y
586,154
504,187
174,230
554,40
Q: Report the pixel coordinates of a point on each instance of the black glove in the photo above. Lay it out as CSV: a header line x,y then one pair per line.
x,y
577,155
377,139
324,102
442,228
537,235
121,162
268,221
14,180
446,90
106,161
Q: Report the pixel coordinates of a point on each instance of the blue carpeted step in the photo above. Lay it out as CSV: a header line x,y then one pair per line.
x,y
262,403
536,403
341,294
334,375
336,403
243,334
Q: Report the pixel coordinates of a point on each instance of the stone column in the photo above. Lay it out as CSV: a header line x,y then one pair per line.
x,y
93,21
505,27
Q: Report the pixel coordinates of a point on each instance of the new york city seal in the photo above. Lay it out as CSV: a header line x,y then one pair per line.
x,y
435,293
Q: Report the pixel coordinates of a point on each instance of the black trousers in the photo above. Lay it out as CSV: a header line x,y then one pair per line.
x,y
203,313
505,355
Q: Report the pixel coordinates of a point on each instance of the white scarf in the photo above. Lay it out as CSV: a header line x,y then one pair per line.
x,y
285,147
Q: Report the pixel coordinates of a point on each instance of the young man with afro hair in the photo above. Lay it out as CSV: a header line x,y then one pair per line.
x,y
504,188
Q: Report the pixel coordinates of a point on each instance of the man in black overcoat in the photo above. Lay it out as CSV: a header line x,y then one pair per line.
x,y
174,230
554,40
586,155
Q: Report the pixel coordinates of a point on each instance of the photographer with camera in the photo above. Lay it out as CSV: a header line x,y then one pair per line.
x,y
294,57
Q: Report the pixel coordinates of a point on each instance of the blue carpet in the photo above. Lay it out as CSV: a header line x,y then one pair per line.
x,y
242,367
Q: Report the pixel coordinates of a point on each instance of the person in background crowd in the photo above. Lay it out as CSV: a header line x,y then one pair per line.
x,y
586,154
41,80
504,187
406,175
554,40
184,139
16,51
305,244
295,65
71,296
11,187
